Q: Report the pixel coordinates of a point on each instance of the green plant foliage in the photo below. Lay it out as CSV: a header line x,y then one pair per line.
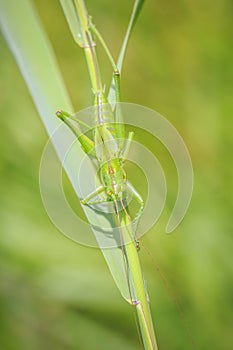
x,y
55,294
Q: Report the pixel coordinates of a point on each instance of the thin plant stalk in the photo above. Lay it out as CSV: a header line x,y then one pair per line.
x,y
139,297
36,60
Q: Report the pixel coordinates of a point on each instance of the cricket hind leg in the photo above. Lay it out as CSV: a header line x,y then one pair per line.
x,y
74,124
119,124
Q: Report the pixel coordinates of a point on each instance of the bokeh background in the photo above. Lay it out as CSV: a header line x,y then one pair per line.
x,y
55,294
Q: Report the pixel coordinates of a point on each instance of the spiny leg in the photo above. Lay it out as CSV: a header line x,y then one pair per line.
x,y
116,73
95,193
119,126
65,115
98,201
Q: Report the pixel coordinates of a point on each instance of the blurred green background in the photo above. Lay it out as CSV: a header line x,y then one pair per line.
x,y
56,294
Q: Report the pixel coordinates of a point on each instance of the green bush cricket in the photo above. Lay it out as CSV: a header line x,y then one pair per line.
x,y
110,146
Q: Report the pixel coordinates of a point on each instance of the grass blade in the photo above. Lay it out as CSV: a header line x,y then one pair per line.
x,y
73,20
37,62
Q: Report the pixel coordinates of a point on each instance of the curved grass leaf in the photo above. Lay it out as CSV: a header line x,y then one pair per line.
x,y
36,60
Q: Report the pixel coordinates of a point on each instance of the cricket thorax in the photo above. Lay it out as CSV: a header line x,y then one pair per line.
x,y
113,177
